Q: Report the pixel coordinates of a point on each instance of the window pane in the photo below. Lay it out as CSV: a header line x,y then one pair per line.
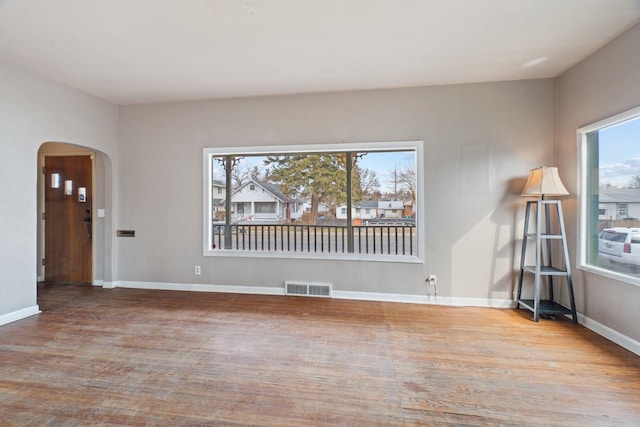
x,y
613,197
265,207
384,196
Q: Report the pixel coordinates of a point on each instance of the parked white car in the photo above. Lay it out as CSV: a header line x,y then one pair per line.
x,y
620,245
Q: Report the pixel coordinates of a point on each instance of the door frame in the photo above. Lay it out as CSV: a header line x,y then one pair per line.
x,y
42,179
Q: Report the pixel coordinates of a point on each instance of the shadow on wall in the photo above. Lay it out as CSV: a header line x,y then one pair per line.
x,y
508,235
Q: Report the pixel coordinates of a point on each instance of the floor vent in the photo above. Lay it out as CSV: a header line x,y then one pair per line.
x,y
308,289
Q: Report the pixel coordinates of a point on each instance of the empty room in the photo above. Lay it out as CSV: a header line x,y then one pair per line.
x,y
318,213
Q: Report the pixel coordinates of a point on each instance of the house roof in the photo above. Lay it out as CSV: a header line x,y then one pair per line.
x,y
135,51
390,204
217,183
620,195
272,188
368,204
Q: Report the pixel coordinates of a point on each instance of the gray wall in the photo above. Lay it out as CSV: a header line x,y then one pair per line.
x,y
480,141
33,111
604,84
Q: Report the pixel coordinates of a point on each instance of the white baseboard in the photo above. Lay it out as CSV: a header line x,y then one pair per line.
x,y
19,314
424,299
610,334
475,302
384,297
259,290
98,282
615,336
275,290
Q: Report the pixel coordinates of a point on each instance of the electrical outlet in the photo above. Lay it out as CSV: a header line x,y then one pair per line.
x,y
432,280
197,270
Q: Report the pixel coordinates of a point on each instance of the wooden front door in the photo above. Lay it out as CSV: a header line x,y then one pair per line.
x,y
67,219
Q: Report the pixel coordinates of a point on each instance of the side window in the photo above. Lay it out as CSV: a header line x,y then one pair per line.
x,y
610,196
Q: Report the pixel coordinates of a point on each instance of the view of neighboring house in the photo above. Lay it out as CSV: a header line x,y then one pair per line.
x,y
619,203
373,209
367,209
218,194
265,202
323,208
390,208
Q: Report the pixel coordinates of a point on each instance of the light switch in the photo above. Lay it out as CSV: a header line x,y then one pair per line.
x,y
100,213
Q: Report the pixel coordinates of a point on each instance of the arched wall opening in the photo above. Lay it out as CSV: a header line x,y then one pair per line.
x,y
101,212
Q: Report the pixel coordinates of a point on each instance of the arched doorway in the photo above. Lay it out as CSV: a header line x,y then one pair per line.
x,y
73,202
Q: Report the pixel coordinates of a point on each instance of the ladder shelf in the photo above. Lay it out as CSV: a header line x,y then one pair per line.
x,y
543,268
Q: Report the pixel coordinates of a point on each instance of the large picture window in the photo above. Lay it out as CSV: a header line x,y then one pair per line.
x,y
356,201
609,237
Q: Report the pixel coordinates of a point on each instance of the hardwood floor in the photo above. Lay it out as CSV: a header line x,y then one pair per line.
x,y
135,357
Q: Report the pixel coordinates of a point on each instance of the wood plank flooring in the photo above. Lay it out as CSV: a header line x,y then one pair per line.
x,y
125,357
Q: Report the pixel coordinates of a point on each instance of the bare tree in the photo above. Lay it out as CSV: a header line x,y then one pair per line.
x,y
240,176
634,182
407,181
368,181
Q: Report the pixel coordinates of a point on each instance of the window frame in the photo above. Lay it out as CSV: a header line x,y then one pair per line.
x,y
416,146
583,196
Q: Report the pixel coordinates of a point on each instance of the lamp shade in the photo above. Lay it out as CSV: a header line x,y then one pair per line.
x,y
544,181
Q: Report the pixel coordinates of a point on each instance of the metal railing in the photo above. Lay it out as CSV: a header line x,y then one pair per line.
x,y
372,239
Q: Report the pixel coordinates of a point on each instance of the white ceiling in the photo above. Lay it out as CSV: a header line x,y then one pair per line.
x,y
138,51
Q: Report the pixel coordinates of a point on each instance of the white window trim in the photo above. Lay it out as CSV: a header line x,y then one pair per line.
x,y
417,146
583,196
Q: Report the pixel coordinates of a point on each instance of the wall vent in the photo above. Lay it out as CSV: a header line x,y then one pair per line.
x,y
308,289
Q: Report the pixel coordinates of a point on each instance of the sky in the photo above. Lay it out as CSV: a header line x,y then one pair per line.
x,y
620,153
382,163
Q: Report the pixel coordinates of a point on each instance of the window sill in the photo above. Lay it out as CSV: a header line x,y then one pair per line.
x,y
399,259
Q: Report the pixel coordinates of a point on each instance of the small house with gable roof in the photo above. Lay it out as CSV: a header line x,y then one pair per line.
x,y
264,201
